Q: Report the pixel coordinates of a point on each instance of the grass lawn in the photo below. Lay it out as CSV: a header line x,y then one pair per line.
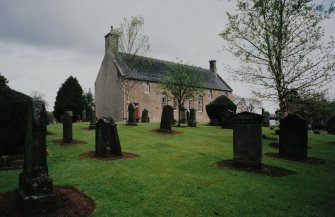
x,y
176,175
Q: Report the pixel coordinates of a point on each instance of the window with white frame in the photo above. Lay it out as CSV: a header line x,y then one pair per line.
x,y
190,103
146,87
175,104
200,103
210,94
164,99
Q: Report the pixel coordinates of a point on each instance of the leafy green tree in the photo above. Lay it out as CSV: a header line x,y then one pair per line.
x,y
69,98
281,47
181,83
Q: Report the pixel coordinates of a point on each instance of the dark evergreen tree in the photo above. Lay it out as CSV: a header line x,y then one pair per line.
x,y
69,98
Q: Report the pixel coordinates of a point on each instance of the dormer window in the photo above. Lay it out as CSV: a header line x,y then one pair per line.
x,y
146,87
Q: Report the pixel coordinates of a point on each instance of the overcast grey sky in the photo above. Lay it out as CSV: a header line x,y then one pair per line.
x,y
42,42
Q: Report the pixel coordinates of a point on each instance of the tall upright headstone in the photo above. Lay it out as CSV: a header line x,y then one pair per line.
x,y
83,114
293,137
331,126
226,119
131,115
67,126
166,119
183,116
107,142
247,139
35,193
145,116
92,118
192,122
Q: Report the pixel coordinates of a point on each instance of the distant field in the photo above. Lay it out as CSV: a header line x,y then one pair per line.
x,y
176,175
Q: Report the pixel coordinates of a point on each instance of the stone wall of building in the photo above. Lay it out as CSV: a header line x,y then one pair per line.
x,y
108,95
152,101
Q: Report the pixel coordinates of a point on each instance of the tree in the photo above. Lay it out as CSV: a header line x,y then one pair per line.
x,y
279,43
132,44
181,83
69,98
3,80
247,104
88,99
38,96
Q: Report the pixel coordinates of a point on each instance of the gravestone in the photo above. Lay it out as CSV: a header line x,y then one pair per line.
x,y
187,115
83,114
92,118
131,115
293,137
266,119
78,118
247,139
145,116
226,119
107,141
67,126
192,122
331,126
183,116
35,193
13,107
166,119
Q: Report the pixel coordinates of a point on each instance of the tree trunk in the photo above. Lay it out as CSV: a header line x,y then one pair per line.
x,y
179,109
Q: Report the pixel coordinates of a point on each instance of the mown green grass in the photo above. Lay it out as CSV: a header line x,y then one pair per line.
x,y
176,176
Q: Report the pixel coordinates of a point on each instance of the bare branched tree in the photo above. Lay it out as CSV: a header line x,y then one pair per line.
x,y
281,47
247,104
133,44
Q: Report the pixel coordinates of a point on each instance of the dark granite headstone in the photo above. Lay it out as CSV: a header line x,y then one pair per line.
x,y
226,119
247,139
266,119
13,106
331,126
67,126
35,193
145,116
166,119
183,116
107,141
293,137
192,122
131,115
92,118
83,114
78,118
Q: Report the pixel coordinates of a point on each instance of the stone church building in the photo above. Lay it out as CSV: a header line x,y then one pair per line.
x,y
146,93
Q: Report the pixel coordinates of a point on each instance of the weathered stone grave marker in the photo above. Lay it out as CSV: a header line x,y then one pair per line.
x,y
166,119
107,142
131,115
247,139
145,116
67,126
293,137
192,122
35,193
92,118
83,114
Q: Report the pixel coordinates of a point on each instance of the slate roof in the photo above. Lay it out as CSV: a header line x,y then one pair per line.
x,y
155,70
